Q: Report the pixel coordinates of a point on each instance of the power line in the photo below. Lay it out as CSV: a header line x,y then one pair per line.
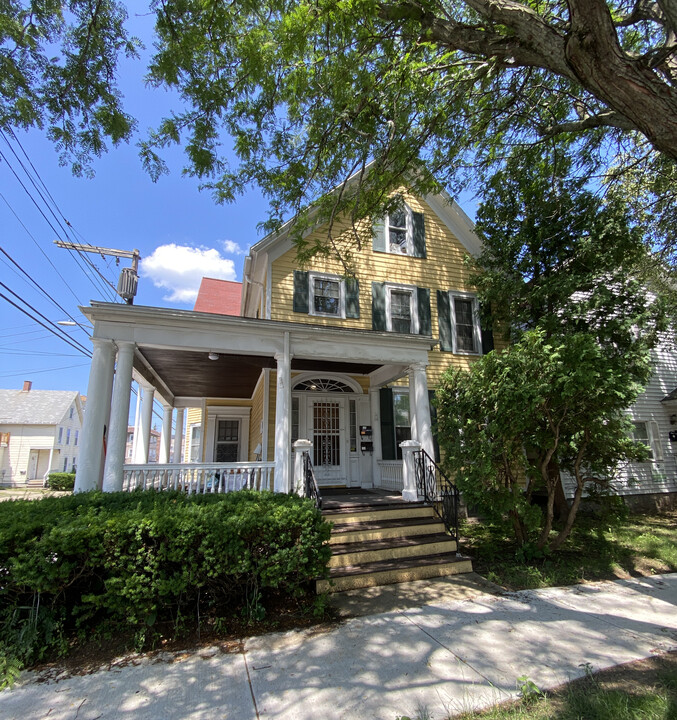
x,y
73,343
79,258
40,289
36,372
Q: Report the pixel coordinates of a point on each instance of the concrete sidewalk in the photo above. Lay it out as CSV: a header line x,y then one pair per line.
x,y
444,655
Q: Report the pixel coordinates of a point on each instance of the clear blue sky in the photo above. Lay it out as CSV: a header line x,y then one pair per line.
x,y
180,231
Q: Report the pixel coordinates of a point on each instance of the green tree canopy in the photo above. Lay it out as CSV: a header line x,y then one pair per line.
x,y
560,269
311,92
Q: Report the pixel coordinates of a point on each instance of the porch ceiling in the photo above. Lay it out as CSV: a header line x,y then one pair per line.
x,y
191,374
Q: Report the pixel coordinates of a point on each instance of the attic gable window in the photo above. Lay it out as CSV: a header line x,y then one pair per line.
x,y
401,232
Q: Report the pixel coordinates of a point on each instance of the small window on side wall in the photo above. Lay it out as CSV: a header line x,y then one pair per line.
x,y
647,433
401,232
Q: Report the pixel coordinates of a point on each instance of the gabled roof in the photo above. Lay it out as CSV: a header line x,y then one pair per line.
x,y
35,407
221,297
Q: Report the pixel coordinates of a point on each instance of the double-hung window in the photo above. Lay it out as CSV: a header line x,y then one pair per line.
x,y
401,232
326,295
459,322
401,309
402,418
647,432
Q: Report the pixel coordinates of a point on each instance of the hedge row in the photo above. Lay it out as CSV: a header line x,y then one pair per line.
x,y
61,481
78,563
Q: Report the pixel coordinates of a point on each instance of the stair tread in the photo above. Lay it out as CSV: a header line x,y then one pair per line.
x,y
383,524
399,564
401,541
367,508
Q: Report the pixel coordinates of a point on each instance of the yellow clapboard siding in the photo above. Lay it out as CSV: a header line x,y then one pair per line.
x,y
443,269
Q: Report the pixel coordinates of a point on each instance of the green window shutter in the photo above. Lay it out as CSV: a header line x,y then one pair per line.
x,y
379,236
444,321
424,321
418,222
433,422
388,451
352,298
486,330
301,293
378,306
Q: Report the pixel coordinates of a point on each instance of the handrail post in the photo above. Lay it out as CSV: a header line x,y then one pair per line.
x,y
409,490
300,448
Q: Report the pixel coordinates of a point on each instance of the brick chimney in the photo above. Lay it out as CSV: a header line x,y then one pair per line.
x,y
28,384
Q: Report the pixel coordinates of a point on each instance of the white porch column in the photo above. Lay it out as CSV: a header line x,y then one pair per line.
x,y
147,393
409,492
300,447
413,420
166,437
424,433
96,411
375,414
137,415
178,435
282,413
117,432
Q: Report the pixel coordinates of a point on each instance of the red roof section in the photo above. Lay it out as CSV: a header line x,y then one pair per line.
x,y
221,297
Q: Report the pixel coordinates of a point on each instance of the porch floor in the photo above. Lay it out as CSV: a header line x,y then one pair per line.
x,y
351,498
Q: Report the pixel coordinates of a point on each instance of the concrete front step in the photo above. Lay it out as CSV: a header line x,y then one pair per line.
x,y
393,571
379,530
351,554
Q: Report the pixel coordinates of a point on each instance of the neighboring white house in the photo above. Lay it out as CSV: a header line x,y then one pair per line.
x,y
39,432
654,416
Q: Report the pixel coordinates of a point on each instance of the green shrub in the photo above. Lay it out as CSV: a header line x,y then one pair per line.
x,y
84,562
61,481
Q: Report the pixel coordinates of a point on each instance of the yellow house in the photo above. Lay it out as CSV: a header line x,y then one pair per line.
x,y
346,364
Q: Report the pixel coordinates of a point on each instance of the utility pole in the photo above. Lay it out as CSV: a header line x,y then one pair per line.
x,y
129,276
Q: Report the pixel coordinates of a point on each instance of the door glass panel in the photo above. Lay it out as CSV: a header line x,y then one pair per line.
x,y
326,434
227,440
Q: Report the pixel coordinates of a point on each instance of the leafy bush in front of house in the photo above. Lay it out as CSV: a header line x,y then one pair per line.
x,y
142,561
61,481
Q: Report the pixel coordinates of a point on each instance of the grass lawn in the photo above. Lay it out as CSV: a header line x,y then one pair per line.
x,y
598,549
642,690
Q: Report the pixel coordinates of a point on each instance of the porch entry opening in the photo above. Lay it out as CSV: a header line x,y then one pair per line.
x,y
324,410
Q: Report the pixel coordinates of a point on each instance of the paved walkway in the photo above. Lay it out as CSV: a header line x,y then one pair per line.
x,y
447,654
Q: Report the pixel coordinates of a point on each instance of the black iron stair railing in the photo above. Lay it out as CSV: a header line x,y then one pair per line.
x,y
311,489
435,488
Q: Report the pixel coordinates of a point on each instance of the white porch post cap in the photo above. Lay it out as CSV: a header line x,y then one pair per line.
x,y
302,445
410,445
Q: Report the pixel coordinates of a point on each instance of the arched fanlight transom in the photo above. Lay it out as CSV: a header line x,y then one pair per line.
x,y
321,384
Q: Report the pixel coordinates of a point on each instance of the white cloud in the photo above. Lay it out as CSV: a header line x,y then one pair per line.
x,y
232,248
180,268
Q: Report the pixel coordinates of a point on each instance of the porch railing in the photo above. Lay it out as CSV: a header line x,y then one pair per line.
x,y
199,477
310,487
391,475
436,488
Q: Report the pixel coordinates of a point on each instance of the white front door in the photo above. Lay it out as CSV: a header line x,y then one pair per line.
x,y
33,465
327,431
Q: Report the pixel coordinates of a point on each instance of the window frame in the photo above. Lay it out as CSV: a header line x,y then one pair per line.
x,y
409,232
399,390
477,331
653,440
413,306
312,276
